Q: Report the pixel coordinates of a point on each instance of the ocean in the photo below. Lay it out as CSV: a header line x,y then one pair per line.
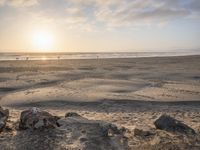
x,y
58,56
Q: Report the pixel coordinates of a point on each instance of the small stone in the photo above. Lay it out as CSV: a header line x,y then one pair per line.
x,y
72,114
83,139
4,113
109,129
141,132
35,118
170,124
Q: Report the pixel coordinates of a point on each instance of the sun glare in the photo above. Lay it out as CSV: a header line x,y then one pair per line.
x,y
43,41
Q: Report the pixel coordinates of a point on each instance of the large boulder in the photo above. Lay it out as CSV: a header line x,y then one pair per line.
x,y
167,123
92,134
94,127
35,118
4,113
103,128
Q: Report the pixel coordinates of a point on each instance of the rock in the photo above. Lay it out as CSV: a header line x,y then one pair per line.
x,y
110,129
4,113
92,134
35,118
93,127
170,124
142,132
83,139
72,114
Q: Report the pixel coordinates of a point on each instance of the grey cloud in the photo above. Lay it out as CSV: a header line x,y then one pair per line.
x,y
195,5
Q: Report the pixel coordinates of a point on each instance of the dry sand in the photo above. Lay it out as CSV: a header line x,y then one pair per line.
x,y
127,92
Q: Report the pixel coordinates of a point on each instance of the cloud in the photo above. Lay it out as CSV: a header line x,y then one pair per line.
x,y
195,5
137,12
16,3
110,13
2,2
88,2
75,15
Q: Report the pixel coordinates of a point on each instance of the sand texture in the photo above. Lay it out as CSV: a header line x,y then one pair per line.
x,y
130,93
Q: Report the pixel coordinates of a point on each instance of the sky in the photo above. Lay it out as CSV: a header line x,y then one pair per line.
x,y
99,25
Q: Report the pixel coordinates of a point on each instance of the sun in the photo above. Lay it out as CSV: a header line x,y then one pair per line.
x,y
43,41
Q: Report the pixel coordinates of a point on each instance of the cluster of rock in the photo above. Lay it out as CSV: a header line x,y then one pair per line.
x,y
35,118
84,130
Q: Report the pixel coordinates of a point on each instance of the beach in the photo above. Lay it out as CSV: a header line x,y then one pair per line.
x,y
130,93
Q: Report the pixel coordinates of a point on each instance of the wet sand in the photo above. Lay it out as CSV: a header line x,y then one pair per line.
x,y
130,93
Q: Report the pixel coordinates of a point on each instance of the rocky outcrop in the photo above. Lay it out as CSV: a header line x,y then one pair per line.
x,y
4,113
71,131
93,134
170,124
35,118
94,127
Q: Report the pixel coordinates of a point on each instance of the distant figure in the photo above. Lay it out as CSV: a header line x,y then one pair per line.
x,y
27,58
17,58
58,57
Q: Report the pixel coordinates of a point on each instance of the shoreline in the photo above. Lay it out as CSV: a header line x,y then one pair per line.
x,y
99,58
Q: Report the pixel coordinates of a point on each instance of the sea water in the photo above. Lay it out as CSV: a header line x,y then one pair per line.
x,y
58,56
